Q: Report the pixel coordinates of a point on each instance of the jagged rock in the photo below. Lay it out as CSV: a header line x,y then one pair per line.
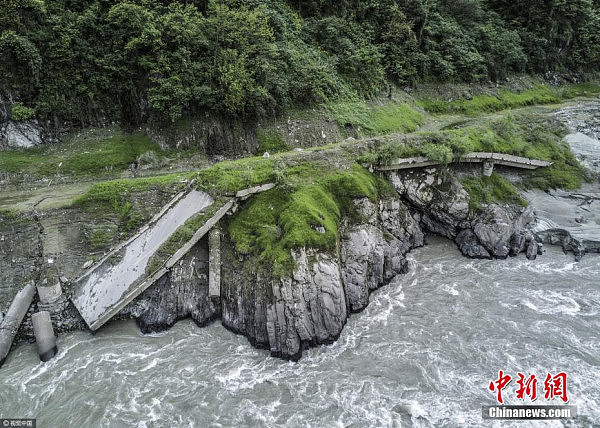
x,y
310,306
469,245
438,195
245,294
179,294
369,257
20,134
308,309
397,220
518,243
532,250
494,229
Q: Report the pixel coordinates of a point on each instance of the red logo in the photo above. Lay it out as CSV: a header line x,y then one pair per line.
x,y
527,387
499,384
554,386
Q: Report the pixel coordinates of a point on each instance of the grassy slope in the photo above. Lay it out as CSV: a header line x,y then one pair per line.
x,y
503,99
91,157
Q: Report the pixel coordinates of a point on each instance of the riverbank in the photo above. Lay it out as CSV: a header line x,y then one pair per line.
x,y
300,258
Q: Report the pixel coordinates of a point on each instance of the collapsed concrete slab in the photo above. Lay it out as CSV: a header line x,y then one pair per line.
x,y
120,277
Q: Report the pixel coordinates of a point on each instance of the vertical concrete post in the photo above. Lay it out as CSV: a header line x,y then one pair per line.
x,y
14,318
44,335
488,168
214,263
49,295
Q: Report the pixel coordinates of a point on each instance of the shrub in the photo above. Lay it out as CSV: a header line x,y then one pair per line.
x,y
20,113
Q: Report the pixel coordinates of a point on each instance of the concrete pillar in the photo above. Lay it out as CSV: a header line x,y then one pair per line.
x,y
14,318
44,335
488,168
49,295
214,263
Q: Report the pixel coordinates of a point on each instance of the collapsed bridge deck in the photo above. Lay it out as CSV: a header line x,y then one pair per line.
x,y
122,275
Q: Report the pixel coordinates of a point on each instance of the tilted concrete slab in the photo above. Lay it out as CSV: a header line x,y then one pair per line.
x,y
479,157
111,284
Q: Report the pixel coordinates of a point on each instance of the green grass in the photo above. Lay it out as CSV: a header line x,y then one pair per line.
x,y
81,157
303,211
21,113
115,192
530,136
368,119
315,188
270,141
116,197
479,104
487,190
100,239
230,176
274,222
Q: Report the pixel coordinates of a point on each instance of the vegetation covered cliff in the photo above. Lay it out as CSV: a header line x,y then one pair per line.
x,y
93,62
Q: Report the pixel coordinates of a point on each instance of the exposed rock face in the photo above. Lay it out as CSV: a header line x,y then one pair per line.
x,y
307,309
210,135
180,294
311,306
469,245
443,205
437,195
372,252
20,135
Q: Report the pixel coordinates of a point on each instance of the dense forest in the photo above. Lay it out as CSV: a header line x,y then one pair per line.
x,y
94,61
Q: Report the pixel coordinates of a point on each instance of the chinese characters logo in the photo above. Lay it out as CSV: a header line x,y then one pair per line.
x,y
555,386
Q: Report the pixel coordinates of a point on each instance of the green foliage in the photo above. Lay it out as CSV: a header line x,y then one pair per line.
x,y
20,113
271,141
274,222
399,48
536,137
100,239
230,176
554,33
115,194
89,62
437,152
487,190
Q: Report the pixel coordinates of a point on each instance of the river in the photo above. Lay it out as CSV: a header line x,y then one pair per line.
x,y
421,354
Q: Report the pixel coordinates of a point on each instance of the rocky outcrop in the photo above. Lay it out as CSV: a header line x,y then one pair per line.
x,y
307,309
21,135
436,195
372,252
182,293
311,305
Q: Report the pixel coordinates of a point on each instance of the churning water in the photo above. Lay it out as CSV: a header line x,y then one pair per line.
x,y
422,354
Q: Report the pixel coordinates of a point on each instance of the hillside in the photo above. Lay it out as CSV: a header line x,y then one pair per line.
x,y
96,62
